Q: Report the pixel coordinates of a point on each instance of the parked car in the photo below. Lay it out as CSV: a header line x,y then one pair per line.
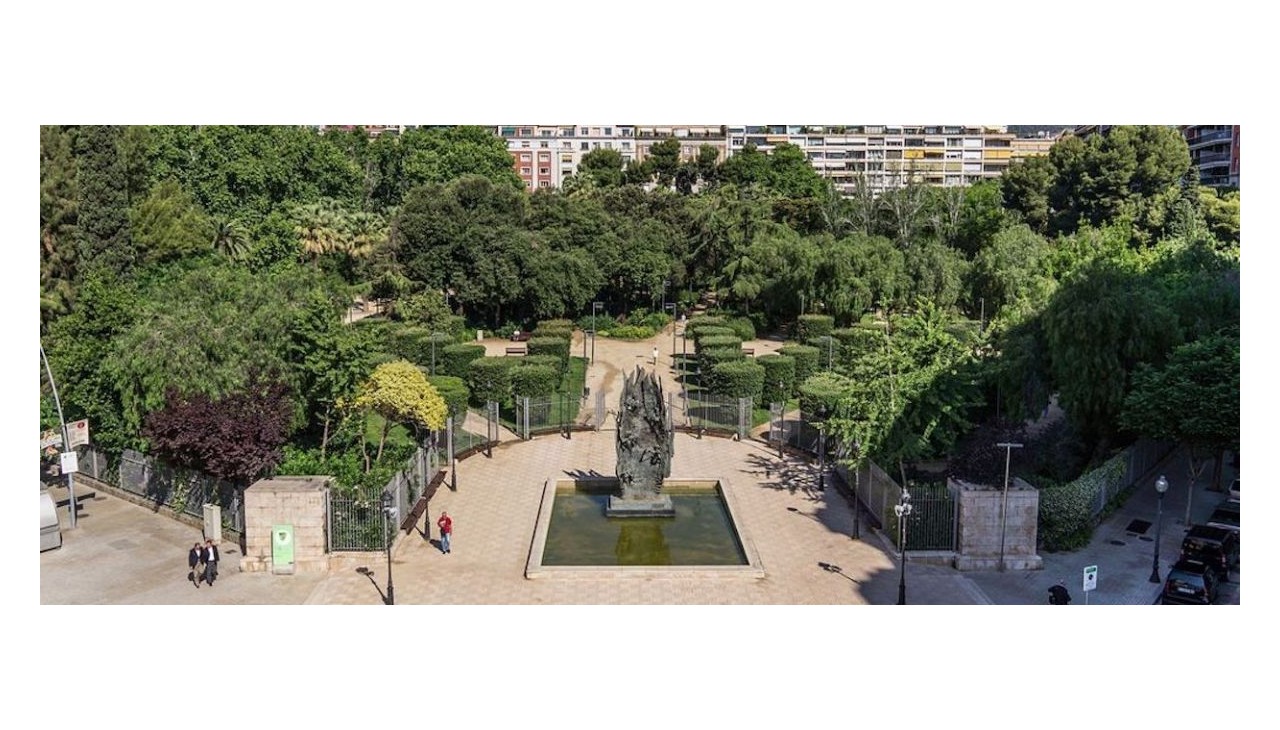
x,y
1213,546
1190,581
1226,515
1234,490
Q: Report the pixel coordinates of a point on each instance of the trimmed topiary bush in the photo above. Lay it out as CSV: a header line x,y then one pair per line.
x,y
713,331
820,393
453,390
858,341
631,332
534,381
455,359
806,357
710,356
715,341
779,377
489,378
828,351
554,328
737,378
550,361
742,327
809,326
705,320
558,346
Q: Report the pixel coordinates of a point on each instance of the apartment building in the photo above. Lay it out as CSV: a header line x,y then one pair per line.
x,y
691,138
1215,151
888,156
1024,147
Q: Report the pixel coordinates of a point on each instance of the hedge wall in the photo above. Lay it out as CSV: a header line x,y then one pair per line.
x,y
558,346
715,341
705,320
455,359
857,341
550,361
534,381
742,327
779,377
712,355
453,390
822,391
813,325
713,331
806,357
490,378
737,378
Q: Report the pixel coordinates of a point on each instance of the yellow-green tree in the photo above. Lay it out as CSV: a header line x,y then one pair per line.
x,y
400,393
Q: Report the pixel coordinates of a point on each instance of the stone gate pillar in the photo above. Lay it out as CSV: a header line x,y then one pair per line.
x,y
298,501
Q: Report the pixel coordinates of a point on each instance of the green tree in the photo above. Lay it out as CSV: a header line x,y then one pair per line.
x,y
400,393
329,359
603,166
168,225
60,263
1025,188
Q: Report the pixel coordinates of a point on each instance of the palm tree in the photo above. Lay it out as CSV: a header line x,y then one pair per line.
x,y
319,229
230,237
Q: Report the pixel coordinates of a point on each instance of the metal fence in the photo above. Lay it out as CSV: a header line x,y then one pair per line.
x,y
357,522
705,411
182,490
934,519
546,415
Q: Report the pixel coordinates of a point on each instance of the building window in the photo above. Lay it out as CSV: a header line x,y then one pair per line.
x,y
544,171
608,131
544,184
544,156
525,144
608,145
526,131
525,157
525,171
626,145
586,145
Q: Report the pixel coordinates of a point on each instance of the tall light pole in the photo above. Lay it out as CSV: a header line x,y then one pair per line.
x,y
903,510
594,307
857,501
1162,486
388,511
66,439
1004,501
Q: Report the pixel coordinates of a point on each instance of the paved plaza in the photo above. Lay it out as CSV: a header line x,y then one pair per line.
x,y
124,553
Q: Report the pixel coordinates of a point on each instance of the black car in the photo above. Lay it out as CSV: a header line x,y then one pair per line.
x,y
1213,546
1190,581
1226,515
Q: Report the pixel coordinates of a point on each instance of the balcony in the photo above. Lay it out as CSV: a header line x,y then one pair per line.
x,y
1209,158
1209,137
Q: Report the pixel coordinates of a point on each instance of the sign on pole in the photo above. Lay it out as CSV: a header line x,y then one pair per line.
x,y
1090,578
52,437
70,464
78,432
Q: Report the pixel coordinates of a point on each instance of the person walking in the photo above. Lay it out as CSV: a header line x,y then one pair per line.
x,y
210,562
655,355
194,556
445,523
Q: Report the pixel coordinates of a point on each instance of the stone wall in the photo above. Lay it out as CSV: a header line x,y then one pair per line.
x,y
980,526
300,501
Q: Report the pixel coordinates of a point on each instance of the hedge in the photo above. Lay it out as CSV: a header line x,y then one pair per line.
x,y
715,341
828,350
554,328
453,390
779,377
858,341
742,327
703,320
1066,519
806,358
551,361
821,392
557,346
534,381
455,359
553,323
713,331
737,378
710,356
631,332
813,325
490,378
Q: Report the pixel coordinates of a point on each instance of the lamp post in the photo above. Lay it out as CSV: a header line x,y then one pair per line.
x,y
672,307
66,439
903,510
1162,486
594,307
388,511
822,448
857,501
1004,501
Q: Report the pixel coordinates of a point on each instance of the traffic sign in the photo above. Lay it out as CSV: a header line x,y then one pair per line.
x,y
1090,578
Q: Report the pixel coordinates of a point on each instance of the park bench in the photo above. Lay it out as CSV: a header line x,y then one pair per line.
x,y
518,336
516,351
420,506
750,351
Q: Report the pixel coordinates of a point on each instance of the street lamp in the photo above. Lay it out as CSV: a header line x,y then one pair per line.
x,y
1004,501
822,448
66,439
903,510
857,501
1162,486
594,307
388,512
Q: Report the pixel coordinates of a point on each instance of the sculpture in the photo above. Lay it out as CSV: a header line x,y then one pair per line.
x,y
644,446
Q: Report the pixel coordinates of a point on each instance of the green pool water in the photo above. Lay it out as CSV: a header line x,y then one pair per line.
x,y
701,533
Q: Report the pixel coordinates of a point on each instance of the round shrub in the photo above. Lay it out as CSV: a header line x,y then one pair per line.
x,y
557,346
454,359
806,358
813,325
820,393
779,377
534,381
742,327
716,341
737,378
490,378
453,390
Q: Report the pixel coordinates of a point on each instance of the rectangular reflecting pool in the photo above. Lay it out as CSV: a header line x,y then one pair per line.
x,y
573,533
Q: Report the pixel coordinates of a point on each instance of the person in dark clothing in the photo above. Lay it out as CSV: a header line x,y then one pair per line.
x,y
194,557
210,562
1059,596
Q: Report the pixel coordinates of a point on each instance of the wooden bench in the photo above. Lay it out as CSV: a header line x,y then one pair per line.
x,y
420,507
749,351
516,351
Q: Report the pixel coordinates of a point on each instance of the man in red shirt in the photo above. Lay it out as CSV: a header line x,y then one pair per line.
x,y
445,523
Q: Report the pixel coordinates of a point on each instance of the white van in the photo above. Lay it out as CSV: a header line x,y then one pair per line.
x,y
50,531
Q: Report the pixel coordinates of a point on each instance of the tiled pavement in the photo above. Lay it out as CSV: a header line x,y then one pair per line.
x,y
125,554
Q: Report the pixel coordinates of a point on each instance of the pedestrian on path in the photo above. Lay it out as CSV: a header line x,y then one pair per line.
x,y
655,356
445,523
194,556
210,562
